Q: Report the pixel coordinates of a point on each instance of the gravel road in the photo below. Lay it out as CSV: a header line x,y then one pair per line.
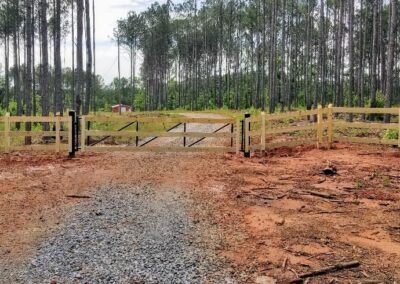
x,y
129,235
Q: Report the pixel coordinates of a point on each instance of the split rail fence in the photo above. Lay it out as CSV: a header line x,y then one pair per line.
x,y
322,126
15,133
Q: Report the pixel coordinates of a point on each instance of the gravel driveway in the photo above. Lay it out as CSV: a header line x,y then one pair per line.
x,y
195,127
129,235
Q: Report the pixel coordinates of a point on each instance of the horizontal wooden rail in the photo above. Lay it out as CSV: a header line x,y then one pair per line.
x,y
294,143
366,140
123,119
292,129
37,119
97,133
162,149
394,111
35,133
367,125
47,148
291,114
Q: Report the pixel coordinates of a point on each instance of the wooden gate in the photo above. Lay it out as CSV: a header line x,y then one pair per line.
x,y
141,133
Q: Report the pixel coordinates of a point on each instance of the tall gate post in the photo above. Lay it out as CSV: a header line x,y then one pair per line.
x,y
72,133
246,130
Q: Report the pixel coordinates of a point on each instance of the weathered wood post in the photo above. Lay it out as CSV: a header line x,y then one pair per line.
x,y
58,132
238,142
320,126
263,133
246,131
7,127
330,126
83,133
399,131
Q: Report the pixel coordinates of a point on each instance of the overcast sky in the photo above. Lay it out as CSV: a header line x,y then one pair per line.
x,y
107,14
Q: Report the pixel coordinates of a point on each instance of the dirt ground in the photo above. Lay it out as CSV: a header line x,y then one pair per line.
x,y
281,216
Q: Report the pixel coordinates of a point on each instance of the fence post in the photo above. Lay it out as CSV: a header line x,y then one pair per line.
x,y
330,125
83,133
7,127
238,142
263,132
232,131
320,126
58,130
399,130
71,133
184,137
246,131
137,137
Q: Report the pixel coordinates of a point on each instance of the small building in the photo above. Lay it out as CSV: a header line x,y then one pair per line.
x,y
122,108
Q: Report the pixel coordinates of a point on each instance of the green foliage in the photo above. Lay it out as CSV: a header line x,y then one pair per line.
x,y
391,134
380,99
139,101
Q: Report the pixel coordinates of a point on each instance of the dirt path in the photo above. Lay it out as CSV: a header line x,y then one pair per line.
x,y
262,207
194,127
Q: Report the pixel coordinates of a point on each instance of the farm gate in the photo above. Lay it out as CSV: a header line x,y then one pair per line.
x,y
158,133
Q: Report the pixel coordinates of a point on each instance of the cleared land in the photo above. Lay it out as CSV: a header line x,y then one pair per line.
x,y
264,209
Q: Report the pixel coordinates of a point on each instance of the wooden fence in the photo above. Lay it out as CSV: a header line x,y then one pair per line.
x,y
322,126
324,122
51,140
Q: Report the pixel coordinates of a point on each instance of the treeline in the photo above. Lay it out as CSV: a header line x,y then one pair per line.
x,y
31,32
266,54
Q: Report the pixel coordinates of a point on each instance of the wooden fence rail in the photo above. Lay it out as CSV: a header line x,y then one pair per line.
x,y
57,133
313,127
324,127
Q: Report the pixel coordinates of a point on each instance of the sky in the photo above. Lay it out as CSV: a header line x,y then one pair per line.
x,y
107,14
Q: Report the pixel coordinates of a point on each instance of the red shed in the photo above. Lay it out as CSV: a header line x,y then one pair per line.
x,y
123,108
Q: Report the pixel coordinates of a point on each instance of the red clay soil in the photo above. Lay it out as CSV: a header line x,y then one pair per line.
x,y
280,215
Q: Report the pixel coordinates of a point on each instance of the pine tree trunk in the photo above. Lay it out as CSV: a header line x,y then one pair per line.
x,y
17,84
79,56
351,57
89,75
390,60
58,92
374,53
28,67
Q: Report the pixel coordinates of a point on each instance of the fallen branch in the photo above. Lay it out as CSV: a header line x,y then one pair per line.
x,y
330,212
78,196
326,270
321,194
